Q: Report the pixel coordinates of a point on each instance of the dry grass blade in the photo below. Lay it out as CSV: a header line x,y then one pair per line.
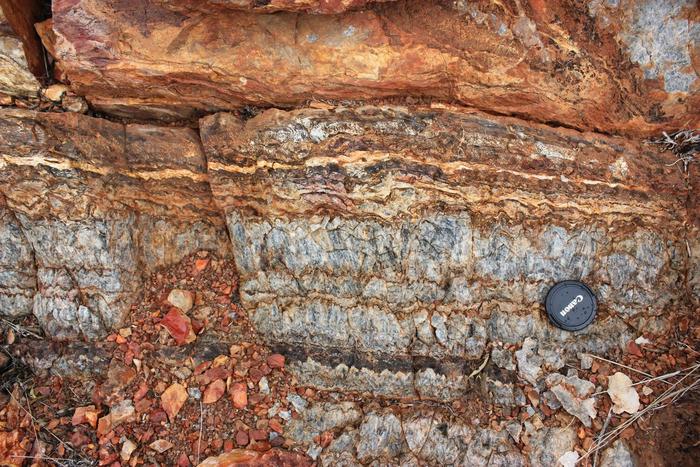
x,y
20,330
673,393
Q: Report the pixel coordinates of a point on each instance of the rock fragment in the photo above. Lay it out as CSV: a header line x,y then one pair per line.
x,y
623,395
172,400
182,299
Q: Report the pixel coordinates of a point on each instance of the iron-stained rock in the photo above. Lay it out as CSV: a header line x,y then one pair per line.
x,y
540,63
102,204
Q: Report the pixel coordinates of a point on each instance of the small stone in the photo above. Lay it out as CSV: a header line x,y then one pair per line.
x,y
258,435
276,426
503,358
622,394
275,361
529,363
75,104
173,399
569,459
182,372
285,415
298,402
125,332
239,395
161,445
264,386
586,361
194,393
86,414
314,451
182,299
514,429
128,447
201,264
647,391
272,411
179,326
55,92
214,391
122,412
573,395
242,439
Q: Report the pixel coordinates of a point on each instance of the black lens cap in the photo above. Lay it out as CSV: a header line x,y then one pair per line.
x,y
571,305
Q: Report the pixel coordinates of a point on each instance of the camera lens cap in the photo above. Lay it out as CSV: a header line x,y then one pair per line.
x,y
571,305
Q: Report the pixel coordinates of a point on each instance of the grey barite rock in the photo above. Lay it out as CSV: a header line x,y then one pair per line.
x,y
381,436
617,455
17,268
529,362
503,358
548,444
322,417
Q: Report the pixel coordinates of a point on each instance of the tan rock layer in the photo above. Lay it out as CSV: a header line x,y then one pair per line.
x,y
102,204
549,63
356,163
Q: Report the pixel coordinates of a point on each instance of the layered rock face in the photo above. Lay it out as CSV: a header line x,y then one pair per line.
x,y
610,66
383,246
399,183
101,204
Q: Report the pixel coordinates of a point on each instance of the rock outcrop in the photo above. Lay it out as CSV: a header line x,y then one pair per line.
x,y
399,183
611,66
16,78
17,267
101,204
382,246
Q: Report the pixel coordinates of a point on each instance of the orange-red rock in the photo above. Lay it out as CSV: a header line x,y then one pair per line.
x,y
86,414
179,326
214,391
589,68
239,395
173,399
247,457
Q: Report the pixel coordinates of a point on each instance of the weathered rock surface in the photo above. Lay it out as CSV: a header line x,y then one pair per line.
x,y
379,246
101,204
612,66
16,78
267,6
17,269
386,437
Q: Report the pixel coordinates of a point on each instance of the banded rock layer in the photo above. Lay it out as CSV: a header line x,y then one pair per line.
x,y
100,204
383,247
612,66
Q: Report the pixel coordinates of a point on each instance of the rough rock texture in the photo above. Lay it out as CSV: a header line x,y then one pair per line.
x,y
17,270
101,204
16,79
386,437
267,6
619,66
383,247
